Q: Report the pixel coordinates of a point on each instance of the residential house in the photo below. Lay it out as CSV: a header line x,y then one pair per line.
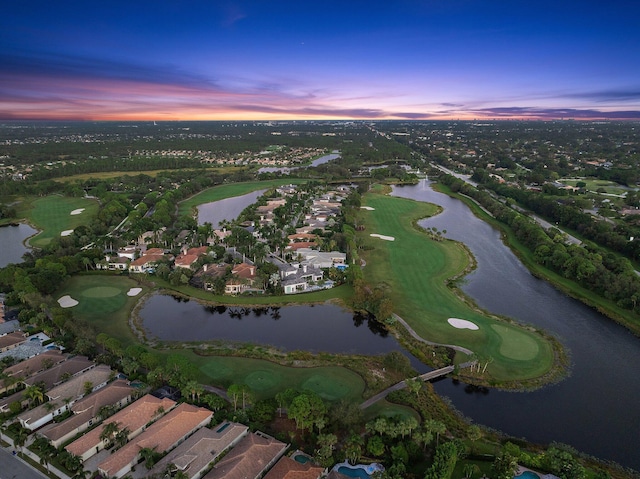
x,y
189,256
206,276
86,411
287,468
162,435
29,367
11,340
193,456
321,259
300,279
62,397
7,327
49,378
134,418
115,263
147,261
242,280
249,459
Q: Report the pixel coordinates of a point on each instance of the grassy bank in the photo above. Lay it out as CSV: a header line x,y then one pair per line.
x,y
416,271
221,192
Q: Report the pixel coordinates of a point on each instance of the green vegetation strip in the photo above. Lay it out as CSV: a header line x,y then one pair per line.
x,y
416,270
52,215
221,192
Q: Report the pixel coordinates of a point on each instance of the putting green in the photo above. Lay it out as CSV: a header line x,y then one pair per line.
x,y
101,292
515,344
262,380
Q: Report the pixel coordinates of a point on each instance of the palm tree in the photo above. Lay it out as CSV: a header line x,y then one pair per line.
x,y
109,431
121,437
34,394
149,456
21,436
45,450
436,427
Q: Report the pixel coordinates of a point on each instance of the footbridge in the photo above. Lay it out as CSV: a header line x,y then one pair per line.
x,y
429,376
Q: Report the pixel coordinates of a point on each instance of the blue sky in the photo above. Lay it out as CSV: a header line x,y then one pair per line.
x,y
292,60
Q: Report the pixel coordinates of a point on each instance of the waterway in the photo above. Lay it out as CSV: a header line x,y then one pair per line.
x,y
12,243
315,328
226,209
596,408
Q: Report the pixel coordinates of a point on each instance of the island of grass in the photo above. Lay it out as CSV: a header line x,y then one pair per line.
x,y
417,270
58,216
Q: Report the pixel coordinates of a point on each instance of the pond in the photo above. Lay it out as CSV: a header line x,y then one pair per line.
x,y
595,408
316,328
12,239
227,209
318,161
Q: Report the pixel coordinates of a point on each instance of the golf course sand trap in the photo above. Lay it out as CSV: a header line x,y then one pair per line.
x,y
368,208
77,212
388,238
462,324
66,232
134,291
67,302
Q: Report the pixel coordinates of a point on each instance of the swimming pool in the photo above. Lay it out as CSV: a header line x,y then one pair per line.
x,y
360,471
527,475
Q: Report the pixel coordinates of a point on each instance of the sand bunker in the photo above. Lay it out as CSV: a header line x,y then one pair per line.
x,y
462,324
134,292
388,238
77,212
368,208
67,302
66,232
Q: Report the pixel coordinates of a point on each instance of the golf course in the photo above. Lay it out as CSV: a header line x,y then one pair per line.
x,y
57,216
415,268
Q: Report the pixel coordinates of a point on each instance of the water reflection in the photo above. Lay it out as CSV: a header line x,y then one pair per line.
x,y
12,239
595,409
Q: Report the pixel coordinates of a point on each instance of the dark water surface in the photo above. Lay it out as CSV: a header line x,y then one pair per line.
x,y
226,209
316,328
596,408
12,243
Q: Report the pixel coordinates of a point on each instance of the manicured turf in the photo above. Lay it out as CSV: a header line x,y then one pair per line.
x,y
230,190
103,302
52,215
266,379
416,270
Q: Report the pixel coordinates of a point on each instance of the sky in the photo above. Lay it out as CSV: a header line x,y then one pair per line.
x,y
286,60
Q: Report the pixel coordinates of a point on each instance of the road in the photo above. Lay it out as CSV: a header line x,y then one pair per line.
x,y
14,468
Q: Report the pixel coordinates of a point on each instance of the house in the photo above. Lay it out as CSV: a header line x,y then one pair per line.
x,y
321,259
29,367
11,340
7,327
249,459
162,435
115,263
243,278
189,256
147,261
62,397
87,410
193,456
206,276
287,468
300,279
134,417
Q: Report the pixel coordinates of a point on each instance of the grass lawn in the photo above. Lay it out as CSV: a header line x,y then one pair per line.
x,y
416,270
52,215
103,302
230,190
266,379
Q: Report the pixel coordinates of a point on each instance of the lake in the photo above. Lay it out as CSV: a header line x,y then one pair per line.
x,y
12,239
226,209
595,408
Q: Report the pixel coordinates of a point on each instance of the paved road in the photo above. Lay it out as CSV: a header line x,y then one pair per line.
x,y
14,468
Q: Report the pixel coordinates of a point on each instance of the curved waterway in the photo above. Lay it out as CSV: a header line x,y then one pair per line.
x,y
596,408
12,241
316,328
227,209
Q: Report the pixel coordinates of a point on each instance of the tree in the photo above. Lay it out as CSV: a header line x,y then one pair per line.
x,y
121,437
414,385
474,433
353,447
34,394
149,456
45,450
21,435
504,466
109,432
326,444
375,446
435,427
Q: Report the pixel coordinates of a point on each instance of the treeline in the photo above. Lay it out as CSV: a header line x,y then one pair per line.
x,y
616,237
599,271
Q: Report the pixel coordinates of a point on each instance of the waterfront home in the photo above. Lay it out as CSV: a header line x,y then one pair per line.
x,y
287,468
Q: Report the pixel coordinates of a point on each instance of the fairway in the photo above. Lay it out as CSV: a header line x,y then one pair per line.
x,y
416,269
230,190
57,214
266,379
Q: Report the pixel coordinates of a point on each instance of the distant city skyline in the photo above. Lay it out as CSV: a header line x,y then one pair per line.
x,y
285,60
